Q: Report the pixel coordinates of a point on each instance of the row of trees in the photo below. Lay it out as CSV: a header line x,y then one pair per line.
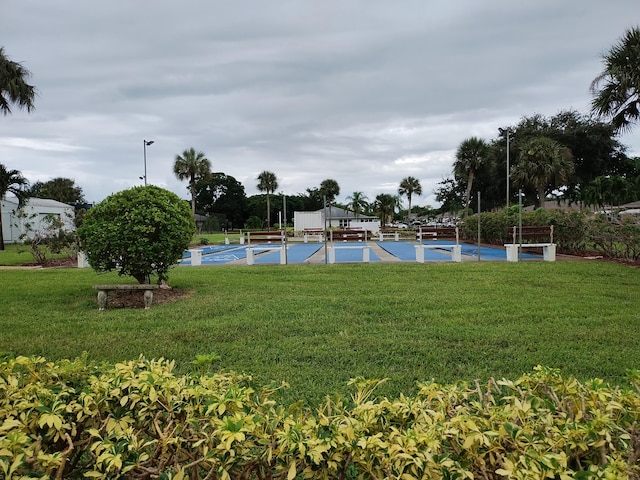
x,y
223,196
570,156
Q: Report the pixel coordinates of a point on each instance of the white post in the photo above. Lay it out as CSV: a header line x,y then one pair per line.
x,y
549,253
332,255
283,255
512,252
82,260
365,254
196,257
420,253
250,260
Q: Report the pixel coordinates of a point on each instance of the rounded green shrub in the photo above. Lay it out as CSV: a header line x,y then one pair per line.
x,y
137,232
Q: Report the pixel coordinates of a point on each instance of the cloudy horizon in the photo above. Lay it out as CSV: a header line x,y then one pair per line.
x,y
363,92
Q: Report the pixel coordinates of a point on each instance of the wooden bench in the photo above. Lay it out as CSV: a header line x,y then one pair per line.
x,y
263,241
313,232
147,296
389,232
339,237
433,234
522,239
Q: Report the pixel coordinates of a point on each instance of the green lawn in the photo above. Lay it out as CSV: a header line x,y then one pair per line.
x,y
15,255
316,326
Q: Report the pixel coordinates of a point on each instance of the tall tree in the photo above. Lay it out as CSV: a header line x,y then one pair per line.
x,y
330,189
450,194
617,88
224,196
544,165
61,189
14,88
192,166
313,199
471,156
385,206
357,202
268,182
409,186
11,181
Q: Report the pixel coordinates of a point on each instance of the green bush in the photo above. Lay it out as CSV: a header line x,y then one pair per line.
x,y
616,239
138,419
571,229
138,232
253,223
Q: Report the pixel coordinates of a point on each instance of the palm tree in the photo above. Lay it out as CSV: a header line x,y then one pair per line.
x,y
358,203
617,88
330,189
192,166
268,182
13,86
409,186
11,181
385,206
471,156
544,165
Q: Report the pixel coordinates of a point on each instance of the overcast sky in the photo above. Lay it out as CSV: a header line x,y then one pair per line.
x,y
365,92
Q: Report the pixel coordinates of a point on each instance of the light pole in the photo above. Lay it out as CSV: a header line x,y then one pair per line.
x,y
145,143
508,132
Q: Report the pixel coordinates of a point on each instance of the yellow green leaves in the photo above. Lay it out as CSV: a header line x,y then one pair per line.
x,y
138,419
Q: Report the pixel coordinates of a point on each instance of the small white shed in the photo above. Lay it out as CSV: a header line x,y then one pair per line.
x,y
336,218
36,210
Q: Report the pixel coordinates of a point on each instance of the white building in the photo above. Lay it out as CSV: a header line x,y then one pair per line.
x,y
35,213
335,218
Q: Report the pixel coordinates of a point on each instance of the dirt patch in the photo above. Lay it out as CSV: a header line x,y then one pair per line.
x,y
134,298
54,263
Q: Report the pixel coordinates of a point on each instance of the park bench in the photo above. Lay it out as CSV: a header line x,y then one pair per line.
x,y
529,237
434,234
264,241
340,239
389,232
313,232
147,296
227,241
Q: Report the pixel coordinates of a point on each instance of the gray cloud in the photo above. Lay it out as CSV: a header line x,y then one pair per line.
x,y
365,92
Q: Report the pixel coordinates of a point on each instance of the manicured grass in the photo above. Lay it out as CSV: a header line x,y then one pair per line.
x,y
317,326
212,238
15,255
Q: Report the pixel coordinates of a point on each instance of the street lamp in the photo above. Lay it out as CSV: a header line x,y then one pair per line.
x,y
145,143
508,132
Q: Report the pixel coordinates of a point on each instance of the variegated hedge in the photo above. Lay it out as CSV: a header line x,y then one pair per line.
x,y
137,419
